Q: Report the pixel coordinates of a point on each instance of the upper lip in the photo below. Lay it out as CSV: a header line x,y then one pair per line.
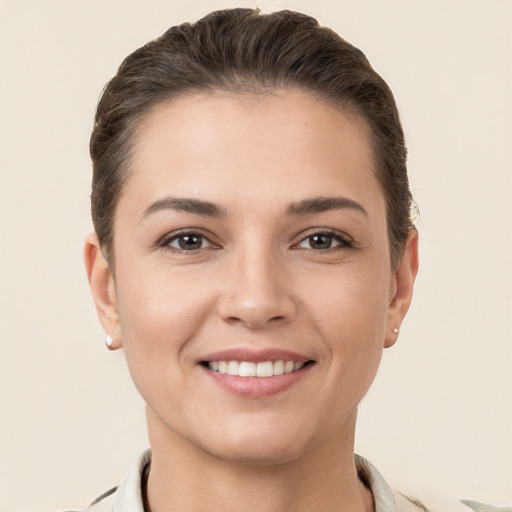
x,y
256,356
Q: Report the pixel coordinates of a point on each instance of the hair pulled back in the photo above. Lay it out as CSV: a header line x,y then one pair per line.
x,y
243,51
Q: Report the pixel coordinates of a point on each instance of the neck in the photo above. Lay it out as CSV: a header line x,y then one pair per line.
x,y
183,477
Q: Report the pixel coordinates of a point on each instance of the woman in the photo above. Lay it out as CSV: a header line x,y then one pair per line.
x,y
253,255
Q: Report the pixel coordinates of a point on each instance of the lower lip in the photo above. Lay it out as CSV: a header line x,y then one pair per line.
x,y
257,387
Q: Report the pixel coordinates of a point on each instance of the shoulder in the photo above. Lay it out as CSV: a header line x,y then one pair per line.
x,y
128,495
484,507
104,502
436,502
390,499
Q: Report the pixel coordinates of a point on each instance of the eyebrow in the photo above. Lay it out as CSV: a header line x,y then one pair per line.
x,y
323,204
195,206
206,208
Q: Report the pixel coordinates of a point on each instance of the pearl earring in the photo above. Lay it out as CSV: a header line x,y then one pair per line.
x,y
396,330
108,341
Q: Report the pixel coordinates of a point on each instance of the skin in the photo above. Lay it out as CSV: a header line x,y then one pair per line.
x,y
258,281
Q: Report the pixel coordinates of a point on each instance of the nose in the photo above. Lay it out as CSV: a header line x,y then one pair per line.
x,y
257,291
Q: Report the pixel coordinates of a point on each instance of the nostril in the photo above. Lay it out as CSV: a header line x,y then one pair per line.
x,y
256,306
256,323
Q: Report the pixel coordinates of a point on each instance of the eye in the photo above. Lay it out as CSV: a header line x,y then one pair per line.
x,y
322,241
188,242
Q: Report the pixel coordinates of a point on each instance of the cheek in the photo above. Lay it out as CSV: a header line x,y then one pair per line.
x,y
159,316
160,311
352,301
352,322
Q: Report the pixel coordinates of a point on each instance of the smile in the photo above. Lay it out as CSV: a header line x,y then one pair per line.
x,y
251,369
254,373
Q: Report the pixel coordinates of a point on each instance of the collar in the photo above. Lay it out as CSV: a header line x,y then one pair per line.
x,y
128,496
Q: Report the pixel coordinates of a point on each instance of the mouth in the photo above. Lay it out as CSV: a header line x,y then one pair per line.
x,y
263,369
256,373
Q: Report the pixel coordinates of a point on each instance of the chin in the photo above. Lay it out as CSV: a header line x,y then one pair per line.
x,y
255,446
250,454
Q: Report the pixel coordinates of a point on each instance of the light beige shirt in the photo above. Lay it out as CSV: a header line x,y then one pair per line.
x,y
128,496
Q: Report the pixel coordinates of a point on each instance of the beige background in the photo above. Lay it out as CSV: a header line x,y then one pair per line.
x,y
440,411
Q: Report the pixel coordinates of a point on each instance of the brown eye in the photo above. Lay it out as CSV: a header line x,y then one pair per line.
x,y
189,242
325,241
321,241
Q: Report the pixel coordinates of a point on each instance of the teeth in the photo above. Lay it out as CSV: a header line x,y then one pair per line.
x,y
233,368
248,369
279,368
289,366
265,369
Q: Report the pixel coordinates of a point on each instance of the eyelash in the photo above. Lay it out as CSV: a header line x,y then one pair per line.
x,y
343,240
168,239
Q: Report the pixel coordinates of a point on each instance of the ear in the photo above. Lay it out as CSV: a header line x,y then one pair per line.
x,y
103,290
402,287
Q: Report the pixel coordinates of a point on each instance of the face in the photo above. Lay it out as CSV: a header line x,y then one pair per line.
x,y
253,291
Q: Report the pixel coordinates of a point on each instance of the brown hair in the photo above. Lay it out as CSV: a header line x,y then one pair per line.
x,y
240,50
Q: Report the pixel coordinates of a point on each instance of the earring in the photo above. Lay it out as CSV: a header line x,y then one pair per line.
x,y
396,330
108,341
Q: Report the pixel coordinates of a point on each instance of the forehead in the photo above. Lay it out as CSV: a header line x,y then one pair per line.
x,y
280,145
254,115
